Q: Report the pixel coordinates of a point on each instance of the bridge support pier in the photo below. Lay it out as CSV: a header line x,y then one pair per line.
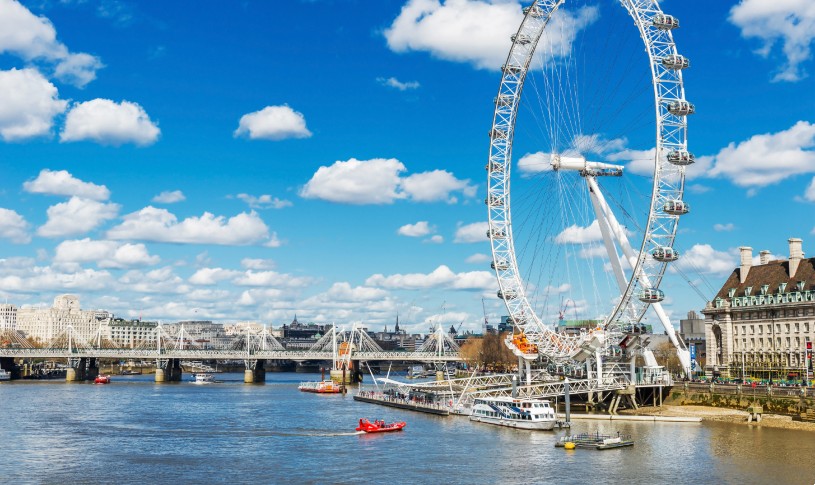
x,y
168,370
255,372
92,370
76,369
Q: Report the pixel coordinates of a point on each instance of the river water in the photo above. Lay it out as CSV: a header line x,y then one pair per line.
x,y
134,431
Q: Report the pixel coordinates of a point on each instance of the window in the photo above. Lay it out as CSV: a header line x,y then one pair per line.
x,y
764,289
782,287
796,326
731,292
748,291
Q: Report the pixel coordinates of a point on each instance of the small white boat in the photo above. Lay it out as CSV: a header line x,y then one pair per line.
x,y
5,375
514,413
203,378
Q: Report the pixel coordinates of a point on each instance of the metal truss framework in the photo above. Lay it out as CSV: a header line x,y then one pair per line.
x,y
668,181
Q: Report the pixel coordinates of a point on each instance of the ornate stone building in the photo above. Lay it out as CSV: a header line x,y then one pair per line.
x,y
759,323
44,324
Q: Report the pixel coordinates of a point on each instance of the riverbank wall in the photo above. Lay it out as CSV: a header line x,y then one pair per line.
x,y
789,401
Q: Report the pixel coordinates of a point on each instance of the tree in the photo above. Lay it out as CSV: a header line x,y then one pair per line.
x,y
488,352
665,354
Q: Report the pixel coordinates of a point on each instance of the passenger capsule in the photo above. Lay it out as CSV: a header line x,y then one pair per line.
x,y
665,22
681,157
521,39
676,62
494,167
681,108
498,134
676,207
534,11
507,295
665,254
502,100
496,233
651,295
511,69
500,265
494,201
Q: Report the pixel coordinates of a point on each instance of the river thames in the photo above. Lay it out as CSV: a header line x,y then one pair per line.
x,y
134,431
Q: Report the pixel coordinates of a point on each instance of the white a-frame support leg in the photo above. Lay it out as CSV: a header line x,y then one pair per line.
x,y
622,239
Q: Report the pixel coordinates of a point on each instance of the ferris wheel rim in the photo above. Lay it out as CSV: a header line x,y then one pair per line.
x,y
500,233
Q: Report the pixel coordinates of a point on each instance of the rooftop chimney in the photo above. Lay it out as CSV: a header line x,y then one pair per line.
x,y
764,257
746,262
796,255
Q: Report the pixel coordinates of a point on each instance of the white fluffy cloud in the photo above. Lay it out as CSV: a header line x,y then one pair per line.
x,y
109,123
703,258
273,123
809,194
255,263
769,158
211,276
264,201
356,182
13,227
441,277
470,233
106,254
792,22
272,279
379,181
160,280
724,227
575,234
420,229
476,31
76,216
34,38
45,278
478,258
435,185
61,182
392,82
28,103
169,197
160,225
532,163
434,239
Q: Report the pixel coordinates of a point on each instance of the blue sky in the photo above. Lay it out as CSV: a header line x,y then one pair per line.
x,y
326,158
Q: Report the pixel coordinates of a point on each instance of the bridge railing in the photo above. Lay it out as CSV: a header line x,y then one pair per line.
x,y
222,354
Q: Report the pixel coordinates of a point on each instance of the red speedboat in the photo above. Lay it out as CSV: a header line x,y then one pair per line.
x,y
102,379
379,426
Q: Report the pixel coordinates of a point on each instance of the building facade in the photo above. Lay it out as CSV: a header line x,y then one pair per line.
x,y
692,332
762,320
8,317
42,325
130,334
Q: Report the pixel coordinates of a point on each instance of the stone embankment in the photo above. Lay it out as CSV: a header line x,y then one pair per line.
x,y
724,415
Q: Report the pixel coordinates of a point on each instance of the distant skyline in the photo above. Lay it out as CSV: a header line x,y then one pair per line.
x,y
325,158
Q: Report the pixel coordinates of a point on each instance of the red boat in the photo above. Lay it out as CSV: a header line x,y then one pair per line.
x,y
379,426
102,379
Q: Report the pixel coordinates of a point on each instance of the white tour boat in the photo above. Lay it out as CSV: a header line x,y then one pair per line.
x,y
514,413
5,375
203,378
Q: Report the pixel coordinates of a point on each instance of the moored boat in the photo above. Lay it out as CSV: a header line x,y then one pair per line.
x,y
379,426
596,441
102,379
5,375
514,413
321,387
203,378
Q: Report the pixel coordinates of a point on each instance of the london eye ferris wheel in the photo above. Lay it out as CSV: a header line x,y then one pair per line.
x,y
587,86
